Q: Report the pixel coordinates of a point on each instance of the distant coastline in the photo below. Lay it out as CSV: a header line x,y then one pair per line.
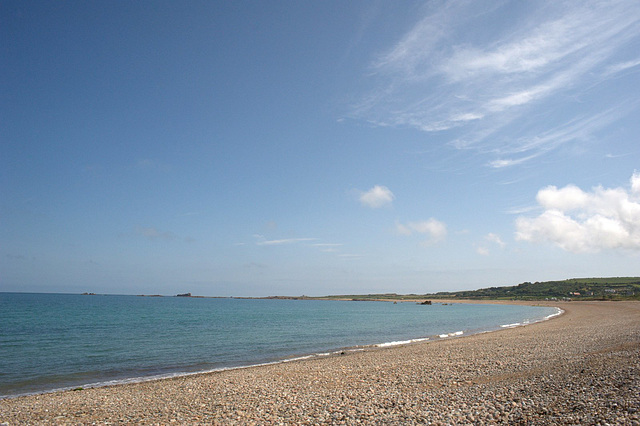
x,y
606,288
612,288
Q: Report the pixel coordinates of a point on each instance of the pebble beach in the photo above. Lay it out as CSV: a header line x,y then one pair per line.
x,y
582,367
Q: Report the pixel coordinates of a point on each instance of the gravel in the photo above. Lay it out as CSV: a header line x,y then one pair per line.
x,y
580,368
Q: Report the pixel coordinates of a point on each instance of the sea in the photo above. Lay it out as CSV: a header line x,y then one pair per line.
x,y
51,342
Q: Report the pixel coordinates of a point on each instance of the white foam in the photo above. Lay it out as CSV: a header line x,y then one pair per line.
x,y
454,334
401,342
528,321
515,324
559,312
299,358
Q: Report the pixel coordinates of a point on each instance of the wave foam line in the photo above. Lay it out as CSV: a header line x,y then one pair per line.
x,y
141,379
528,321
401,342
454,334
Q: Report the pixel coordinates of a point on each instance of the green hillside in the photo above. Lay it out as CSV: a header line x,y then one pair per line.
x,y
618,288
576,288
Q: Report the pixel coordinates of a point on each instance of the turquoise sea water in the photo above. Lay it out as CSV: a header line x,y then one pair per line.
x,y
59,341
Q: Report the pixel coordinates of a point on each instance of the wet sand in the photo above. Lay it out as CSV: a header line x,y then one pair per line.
x,y
582,367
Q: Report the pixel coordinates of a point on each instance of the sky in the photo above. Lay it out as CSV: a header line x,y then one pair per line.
x,y
254,148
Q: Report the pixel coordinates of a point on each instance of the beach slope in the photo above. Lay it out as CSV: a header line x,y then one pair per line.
x,y
582,367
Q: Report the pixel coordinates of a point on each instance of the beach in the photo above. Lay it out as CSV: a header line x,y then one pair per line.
x,y
582,367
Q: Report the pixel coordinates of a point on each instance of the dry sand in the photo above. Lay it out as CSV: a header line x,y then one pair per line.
x,y
580,368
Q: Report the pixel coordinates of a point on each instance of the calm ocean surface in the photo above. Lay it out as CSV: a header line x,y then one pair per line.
x,y
58,341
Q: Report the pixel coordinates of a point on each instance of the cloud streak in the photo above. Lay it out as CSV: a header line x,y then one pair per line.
x,y
262,241
580,222
443,76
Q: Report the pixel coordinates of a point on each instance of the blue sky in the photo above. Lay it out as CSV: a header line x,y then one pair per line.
x,y
297,147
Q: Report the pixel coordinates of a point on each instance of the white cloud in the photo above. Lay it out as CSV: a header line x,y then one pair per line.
x,y
509,162
623,66
580,221
377,197
468,116
635,185
568,198
435,230
284,241
511,100
262,241
483,251
577,129
495,238
328,247
441,75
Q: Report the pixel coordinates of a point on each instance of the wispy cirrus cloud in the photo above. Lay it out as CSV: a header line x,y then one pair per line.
x,y
328,247
262,241
444,75
530,146
622,66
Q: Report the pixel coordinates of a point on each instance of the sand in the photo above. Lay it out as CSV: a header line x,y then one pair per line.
x,y
580,368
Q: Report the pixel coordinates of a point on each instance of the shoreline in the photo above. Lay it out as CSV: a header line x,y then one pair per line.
x,y
448,334
545,372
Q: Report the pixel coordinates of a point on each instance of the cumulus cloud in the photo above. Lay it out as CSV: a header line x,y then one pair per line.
x,y
435,230
579,221
376,197
635,185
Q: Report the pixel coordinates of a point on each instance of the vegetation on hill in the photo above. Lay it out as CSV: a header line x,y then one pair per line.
x,y
619,288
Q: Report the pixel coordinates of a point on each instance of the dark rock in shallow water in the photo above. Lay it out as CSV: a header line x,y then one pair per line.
x,y
426,302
